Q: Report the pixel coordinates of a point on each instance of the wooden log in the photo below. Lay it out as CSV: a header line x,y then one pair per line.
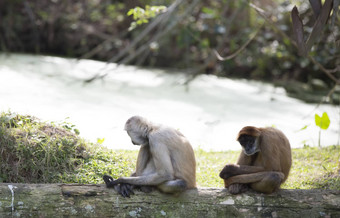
x,y
74,200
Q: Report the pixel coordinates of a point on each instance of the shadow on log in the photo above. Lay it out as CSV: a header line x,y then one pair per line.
x,y
73,200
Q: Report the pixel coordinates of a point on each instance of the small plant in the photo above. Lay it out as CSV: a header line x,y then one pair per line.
x,y
33,151
141,15
322,122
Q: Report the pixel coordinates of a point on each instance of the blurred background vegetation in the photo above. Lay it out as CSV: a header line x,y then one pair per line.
x,y
255,36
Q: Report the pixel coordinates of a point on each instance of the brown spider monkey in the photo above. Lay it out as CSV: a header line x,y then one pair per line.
x,y
263,164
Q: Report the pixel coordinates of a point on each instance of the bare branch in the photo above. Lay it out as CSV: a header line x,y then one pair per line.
x,y
326,71
251,37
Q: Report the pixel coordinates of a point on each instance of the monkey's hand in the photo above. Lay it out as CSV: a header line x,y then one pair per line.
x,y
124,189
109,181
228,171
237,188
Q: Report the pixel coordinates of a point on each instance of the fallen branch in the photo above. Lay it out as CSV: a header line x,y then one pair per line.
x,y
60,200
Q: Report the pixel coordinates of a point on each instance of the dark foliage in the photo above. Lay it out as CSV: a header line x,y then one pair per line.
x,y
184,38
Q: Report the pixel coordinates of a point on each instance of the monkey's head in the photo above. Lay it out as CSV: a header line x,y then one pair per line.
x,y
248,138
138,129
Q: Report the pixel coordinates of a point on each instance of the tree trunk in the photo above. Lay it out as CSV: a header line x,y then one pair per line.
x,y
73,200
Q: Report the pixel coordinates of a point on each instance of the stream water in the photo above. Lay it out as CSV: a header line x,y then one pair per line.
x,y
209,111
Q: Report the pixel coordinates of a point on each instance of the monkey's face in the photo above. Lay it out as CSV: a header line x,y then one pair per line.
x,y
137,138
249,144
136,128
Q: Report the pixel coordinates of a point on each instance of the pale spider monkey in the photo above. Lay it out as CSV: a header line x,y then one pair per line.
x,y
264,163
165,160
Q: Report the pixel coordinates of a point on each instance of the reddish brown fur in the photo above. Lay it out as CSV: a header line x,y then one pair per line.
x,y
266,170
249,130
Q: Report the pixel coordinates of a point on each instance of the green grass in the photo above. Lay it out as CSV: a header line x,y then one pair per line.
x,y
209,165
313,167
32,151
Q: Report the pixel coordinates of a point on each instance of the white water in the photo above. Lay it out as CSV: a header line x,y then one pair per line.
x,y
210,111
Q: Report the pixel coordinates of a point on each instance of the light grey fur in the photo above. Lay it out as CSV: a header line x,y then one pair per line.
x,y
165,160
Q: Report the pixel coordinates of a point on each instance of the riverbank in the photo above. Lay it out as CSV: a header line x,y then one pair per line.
x,y
33,151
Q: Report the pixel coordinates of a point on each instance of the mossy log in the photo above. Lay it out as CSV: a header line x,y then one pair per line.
x,y
74,200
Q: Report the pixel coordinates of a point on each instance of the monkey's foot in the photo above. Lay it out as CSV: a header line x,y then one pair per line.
x,y
237,188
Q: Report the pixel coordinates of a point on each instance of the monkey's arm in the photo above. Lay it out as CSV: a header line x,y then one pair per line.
x,y
142,160
231,170
252,178
151,179
163,168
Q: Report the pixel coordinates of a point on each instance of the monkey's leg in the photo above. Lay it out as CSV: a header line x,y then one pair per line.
x,y
237,188
265,182
173,186
125,189
231,170
145,188
253,178
269,183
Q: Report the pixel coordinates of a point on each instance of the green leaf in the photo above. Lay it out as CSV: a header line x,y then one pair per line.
x,y
76,131
322,122
100,141
142,16
303,128
130,12
208,11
